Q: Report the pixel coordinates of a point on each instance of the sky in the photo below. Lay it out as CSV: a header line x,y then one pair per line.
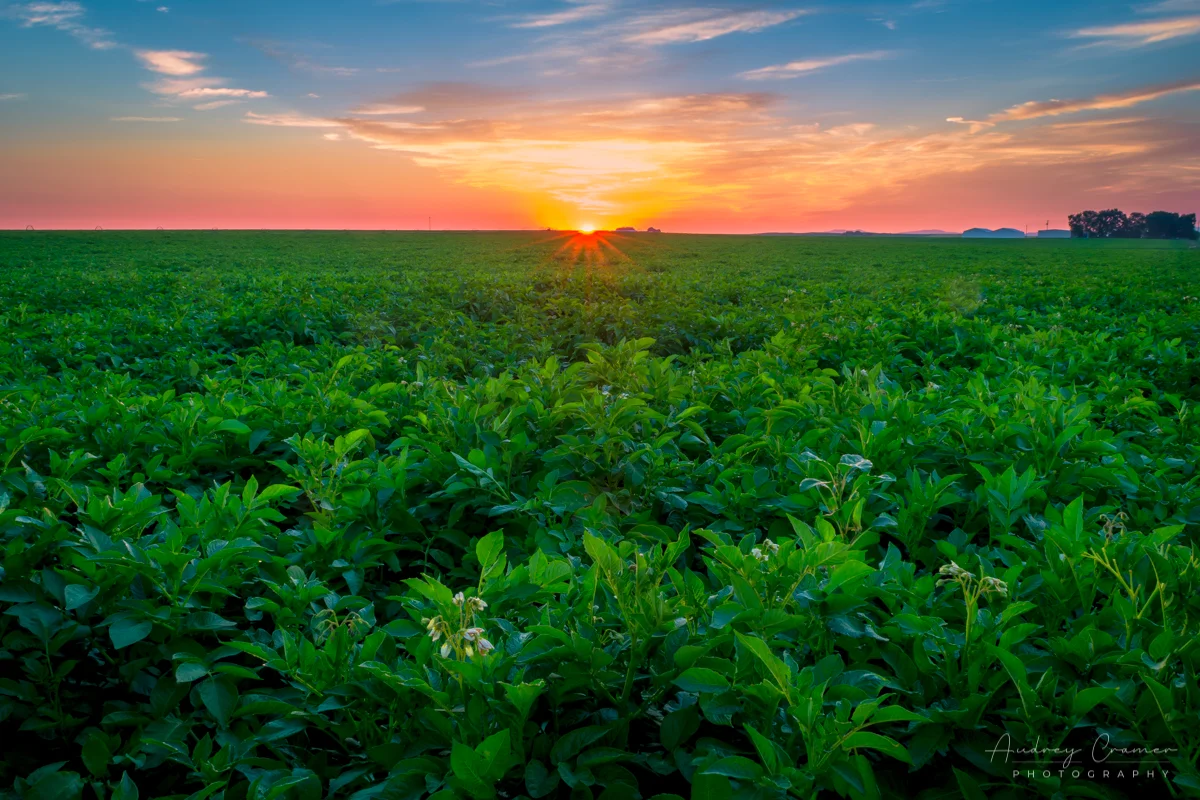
x,y
688,115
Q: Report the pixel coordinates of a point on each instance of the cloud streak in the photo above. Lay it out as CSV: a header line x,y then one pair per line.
x,y
1053,108
578,13
1140,34
794,69
171,62
65,17
700,25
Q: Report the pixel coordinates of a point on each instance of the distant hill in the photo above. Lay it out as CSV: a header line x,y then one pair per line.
x,y
999,233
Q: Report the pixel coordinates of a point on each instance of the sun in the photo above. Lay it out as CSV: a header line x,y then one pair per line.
x,y
587,229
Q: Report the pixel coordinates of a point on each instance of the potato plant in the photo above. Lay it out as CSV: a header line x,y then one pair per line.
x,y
364,516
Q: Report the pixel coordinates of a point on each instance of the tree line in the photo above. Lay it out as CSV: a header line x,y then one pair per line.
x,y
1115,224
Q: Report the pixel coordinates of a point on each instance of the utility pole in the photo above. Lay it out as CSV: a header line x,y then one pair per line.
x,y
431,224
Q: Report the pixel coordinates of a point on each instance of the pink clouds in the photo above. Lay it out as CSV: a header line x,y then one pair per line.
x,y
171,62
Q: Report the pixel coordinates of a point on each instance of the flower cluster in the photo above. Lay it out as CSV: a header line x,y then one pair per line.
x,y
464,639
770,549
953,573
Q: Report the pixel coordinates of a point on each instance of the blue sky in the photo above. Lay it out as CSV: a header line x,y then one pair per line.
x,y
708,115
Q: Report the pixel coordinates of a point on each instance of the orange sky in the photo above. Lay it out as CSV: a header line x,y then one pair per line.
x,y
563,114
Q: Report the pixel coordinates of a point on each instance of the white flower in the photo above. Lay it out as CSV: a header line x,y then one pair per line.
x,y
459,599
476,604
759,554
485,647
995,585
445,651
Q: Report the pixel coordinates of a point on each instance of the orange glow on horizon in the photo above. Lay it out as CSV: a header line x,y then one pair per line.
x,y
594,249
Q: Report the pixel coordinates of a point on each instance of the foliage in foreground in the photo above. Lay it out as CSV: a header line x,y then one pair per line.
x,y
359,516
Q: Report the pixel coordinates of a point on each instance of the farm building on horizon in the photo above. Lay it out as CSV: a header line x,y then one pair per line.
x,y
999,233
1054,233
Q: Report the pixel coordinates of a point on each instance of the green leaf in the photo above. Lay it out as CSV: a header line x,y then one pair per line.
x,y
711,787
570,744
895,714
77,595
469,768
1087,699
847,572
189,671
968,786
276,491
488,549
603,554
700,679
539,781
874,741
678,726
737,767
778,670
524,695
126,789
56,786
1162,698
766,750
494,755
96,753
220,697
126,631
234,426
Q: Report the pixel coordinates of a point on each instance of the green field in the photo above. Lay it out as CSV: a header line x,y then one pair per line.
x,y
731,517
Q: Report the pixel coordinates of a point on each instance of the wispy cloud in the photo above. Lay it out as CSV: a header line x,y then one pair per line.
x,y
146,119
699,25
184,83
201,89
1140,34
1169,7
1053,108
794,69
65,17
171,62
290,121
388,109
12,97
974,125
578,13
289,55
215,104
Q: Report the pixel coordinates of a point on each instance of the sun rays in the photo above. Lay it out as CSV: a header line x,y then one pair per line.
x,y
592,248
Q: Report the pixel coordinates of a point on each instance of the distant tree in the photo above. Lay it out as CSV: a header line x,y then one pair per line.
x,y
1135,226
1110,223
1165,225
1081,224
1113,223
1098,224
